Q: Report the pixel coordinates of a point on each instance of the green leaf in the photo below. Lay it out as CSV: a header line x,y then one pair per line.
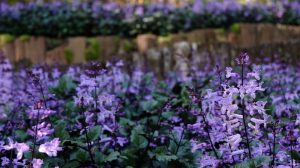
x,y
94,133
295,155
52,162
165,158
254,163
71,165
137,139
22,135
69,107
149,105
126,122
161,154
185,96
99,158
112,156
80,155
72,144
167,115
260,160
64,87
60,131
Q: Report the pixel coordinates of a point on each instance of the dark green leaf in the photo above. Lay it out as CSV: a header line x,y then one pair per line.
x,y
94,133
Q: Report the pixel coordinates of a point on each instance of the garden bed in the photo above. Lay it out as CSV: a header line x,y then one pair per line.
x,y
103,116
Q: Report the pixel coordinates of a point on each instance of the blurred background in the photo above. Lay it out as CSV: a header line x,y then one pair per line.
x,y
162,35
176,2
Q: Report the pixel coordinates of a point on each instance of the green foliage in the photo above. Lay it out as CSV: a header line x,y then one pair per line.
x,y
258,161
22,135
235,28
162,155
165,158
24,38
167,115
93,51
69,107
52,162
39,20
295,155
6,38
61,132
128,46
79,155
112,156
69,55
52,43
65,87
137,139
149,105
164,39
71,164
94,133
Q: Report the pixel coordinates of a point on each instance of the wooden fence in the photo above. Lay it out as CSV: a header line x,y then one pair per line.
x,y
162,53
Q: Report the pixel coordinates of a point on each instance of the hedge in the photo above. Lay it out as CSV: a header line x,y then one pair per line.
x,y
59,19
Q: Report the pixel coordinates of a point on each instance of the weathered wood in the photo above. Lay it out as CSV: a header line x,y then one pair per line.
x,y
19,49
77,45
145,42
109,46
56,55
162,53
9,50
35,50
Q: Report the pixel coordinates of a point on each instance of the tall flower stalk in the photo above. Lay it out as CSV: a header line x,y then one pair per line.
x,y
198,101
243,60
38,107
84,124
274,132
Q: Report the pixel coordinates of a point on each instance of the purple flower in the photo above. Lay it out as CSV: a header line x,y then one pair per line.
x,y
21,148
198,6
258,107
139,11
122,141
37,163
43,113
229,73
6,84
43,130
109,141
19,163
208,161
297,120
5,161
178,131
50,148
243,59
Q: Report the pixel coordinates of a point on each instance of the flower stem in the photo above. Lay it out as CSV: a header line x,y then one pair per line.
x,y
274,146
291,149
209,138
179,143
86,135
244,118
35,134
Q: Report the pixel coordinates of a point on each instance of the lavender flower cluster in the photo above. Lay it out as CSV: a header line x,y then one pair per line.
x,y
60,19
98,115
